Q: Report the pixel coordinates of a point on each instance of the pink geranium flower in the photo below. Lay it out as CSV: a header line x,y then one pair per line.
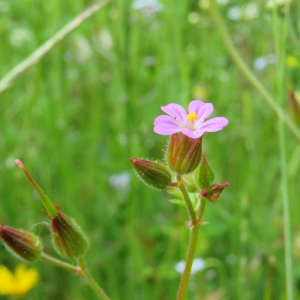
x,y
192,123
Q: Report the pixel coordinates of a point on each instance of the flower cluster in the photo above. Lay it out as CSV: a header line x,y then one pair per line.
x,y
184,153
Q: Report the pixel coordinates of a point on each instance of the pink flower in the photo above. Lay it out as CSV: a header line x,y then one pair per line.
x,y
192,123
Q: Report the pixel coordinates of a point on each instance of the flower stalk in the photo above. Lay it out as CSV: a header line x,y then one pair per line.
x,y
80,270
192,250
187,200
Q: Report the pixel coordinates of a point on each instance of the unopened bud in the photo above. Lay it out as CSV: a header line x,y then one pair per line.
x,y
189,183
153,173
68,238
21,243
184,153
204,175
213,193
217,188
214,198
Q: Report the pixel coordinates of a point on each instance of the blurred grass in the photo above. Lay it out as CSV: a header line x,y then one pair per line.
x,y
76,117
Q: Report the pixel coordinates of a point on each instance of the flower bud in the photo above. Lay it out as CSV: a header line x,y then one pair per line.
x,y
153,173
21,243
214,191
204,175
184,153
189,183
68,238
217,189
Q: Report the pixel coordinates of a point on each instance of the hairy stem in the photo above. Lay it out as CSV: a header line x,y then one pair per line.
x,y
59,263
244,68
91,281
80,270
7,81
187,201
191,254
189,262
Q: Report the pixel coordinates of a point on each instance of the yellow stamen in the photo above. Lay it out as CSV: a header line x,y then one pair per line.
x,y
192,116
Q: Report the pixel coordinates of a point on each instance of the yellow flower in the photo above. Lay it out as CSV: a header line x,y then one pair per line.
x,y
19,283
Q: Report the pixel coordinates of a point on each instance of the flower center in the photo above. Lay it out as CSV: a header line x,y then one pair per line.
x,y
192,116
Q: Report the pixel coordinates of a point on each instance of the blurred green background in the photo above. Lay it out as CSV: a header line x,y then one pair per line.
x,y
77,116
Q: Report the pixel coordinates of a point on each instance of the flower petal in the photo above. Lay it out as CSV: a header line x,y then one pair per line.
x,y
166,125
192,134
202,110
214,124
7,281
176,111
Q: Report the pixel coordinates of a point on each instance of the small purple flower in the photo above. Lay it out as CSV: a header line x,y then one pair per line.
x,y
192,123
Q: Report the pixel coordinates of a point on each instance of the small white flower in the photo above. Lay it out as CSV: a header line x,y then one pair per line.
x,y
198,265
120,181
260,63
251,11
234,13
147,7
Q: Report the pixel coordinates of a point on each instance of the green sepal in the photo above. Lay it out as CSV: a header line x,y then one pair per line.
x,y
152,173
21,243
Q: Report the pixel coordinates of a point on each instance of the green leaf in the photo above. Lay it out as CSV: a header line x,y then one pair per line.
x,y
178,202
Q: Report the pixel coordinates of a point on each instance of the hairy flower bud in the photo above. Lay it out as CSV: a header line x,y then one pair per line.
x,y
21,243
204,175
217,189
214,191
184,153
68,238
189,183
153,173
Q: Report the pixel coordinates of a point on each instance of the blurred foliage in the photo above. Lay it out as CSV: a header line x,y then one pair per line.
x,y
77,116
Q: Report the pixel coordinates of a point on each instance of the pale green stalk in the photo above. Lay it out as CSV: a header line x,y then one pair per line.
x,y
59,263
195,225
244,68
280,42
81,270
7,81
90,280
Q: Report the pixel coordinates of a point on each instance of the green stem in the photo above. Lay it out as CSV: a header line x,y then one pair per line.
x,y
7,81
244,68
82,271
189,262
192,250
91,281
59,263
280,42
187,201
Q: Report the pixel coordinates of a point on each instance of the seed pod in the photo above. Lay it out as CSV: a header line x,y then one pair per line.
x,y
204,175
184,153
21,243
153,173
68,238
